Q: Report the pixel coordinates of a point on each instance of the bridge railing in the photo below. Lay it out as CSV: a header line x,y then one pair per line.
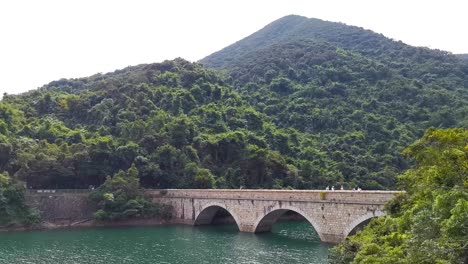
x,y
52,191
367,197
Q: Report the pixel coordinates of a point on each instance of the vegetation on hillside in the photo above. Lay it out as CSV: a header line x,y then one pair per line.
x,y
462,56
430,223
13,208
178,122
353,39
120,198
361,96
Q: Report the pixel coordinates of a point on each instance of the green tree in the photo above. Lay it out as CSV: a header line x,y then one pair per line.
x,y
120,197
204,179
13,207
430,223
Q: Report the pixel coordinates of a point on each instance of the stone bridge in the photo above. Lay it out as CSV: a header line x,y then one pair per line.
x,y
333,214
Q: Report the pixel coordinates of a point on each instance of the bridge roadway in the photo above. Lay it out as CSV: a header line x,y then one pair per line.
x,y
333,214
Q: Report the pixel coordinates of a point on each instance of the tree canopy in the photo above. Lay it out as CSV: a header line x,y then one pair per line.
x,y
429,224
13,208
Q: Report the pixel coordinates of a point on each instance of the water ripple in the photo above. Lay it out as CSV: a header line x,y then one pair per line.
x,y
288,243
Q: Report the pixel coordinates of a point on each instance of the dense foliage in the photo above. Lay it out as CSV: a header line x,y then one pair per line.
x,y
463,56
13,208
120,197
178,122
430,223
360,96
301,104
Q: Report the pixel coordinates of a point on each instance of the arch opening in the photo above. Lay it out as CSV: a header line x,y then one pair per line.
x,y
280,215
361,222
359,227
266,223
215,215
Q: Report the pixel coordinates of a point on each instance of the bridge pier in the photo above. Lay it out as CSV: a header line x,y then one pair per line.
x,y
333,215
331,238
246,228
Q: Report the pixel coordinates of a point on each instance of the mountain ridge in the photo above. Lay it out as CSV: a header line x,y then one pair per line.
x,y
285,29
291,28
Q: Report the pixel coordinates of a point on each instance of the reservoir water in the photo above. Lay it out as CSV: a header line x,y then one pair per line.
x,y
289,242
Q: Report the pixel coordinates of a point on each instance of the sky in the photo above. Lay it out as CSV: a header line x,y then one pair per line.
x,y
43,41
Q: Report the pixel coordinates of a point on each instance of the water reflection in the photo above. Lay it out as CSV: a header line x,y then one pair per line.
x,y
293,242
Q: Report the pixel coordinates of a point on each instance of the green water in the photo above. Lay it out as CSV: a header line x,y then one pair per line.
x,y
293,242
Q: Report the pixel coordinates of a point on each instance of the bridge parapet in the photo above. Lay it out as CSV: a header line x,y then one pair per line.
x,y
365,197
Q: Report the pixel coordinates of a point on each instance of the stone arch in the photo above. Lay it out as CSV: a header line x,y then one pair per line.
x,y
206,214
360,220
265,222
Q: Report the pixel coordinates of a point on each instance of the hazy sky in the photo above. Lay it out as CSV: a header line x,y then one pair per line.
x,y
42,41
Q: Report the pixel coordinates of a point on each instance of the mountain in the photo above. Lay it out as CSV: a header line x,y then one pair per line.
x,y
303,103
292,28
360,94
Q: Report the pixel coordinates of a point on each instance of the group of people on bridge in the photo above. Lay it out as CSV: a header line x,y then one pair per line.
x,y
341,188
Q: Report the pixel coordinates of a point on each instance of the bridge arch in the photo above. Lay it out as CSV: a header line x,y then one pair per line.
x,y
362,219
265,222
207,213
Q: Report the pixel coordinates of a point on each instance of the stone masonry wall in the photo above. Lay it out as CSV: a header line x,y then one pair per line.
x,y
62,206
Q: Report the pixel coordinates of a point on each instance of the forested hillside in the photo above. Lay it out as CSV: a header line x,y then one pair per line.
x,y
463,56
429,223
180,124
364,97
302,103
